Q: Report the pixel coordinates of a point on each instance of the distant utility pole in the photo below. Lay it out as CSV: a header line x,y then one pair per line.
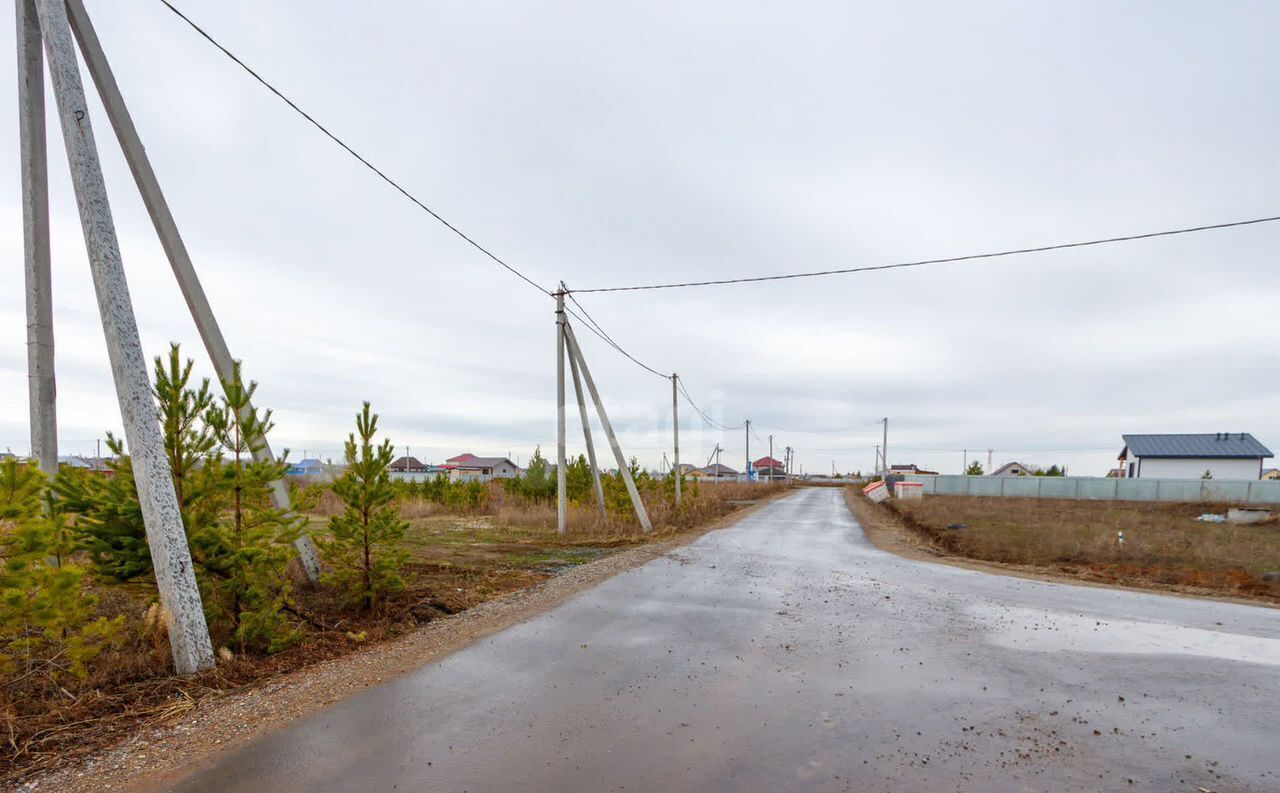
x,y
675,432
770,458
989,453
884,446
786,468
879,466
562,487
964,469
747,427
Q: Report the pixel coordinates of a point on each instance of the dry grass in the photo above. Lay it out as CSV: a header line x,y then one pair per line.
x,y
1164,544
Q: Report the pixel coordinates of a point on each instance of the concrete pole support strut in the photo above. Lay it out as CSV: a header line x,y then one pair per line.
x,y
624,469
171,240
170,556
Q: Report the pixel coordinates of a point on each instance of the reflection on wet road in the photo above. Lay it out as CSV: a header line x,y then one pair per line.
x,y
786,653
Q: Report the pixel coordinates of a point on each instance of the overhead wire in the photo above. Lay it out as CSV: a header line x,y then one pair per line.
x,y
589,322
359,157
943,260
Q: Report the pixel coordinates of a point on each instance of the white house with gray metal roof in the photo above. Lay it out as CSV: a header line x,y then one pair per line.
x,y
1224,455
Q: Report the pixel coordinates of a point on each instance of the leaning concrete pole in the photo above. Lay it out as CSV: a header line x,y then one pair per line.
x,y
171,240
562,486
675,429
586,433
623,467
41,387
170,556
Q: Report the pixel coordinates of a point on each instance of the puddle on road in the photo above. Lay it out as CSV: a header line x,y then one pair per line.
x,y
1049,631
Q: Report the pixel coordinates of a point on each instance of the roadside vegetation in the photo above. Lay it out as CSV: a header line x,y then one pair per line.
x,y
84,656
1164,545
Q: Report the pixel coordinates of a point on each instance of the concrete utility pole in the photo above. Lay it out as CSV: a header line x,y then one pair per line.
x,y
747,427
675,431
586,434
41,385
175,249
170,556
770,458
884,446
787,466
624,469
562,498
964,469
989,453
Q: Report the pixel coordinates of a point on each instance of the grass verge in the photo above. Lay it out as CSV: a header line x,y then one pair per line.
x,y
1165,547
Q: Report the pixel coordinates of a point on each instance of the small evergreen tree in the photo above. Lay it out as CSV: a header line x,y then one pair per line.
x,y
44,612
247,551
363,551
109,524
974,469
578,481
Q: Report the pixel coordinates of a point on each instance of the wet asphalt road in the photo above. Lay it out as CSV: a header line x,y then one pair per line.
x,y
786,653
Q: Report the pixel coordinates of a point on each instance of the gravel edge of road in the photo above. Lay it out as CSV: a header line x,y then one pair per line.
x,y
889,534
163,752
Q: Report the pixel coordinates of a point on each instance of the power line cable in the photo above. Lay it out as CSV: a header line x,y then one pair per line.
x,y
363,161
592,325
923,262
599,331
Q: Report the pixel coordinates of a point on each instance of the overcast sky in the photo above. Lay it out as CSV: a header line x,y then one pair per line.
x,y
615,143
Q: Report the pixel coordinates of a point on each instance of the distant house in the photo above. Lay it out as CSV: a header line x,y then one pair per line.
x,y
769,468
687,469
1271,474
1013,469
411,469
470,468
1223,455
910,468
308,467
715,471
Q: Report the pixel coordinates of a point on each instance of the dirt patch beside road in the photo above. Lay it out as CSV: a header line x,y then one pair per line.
x,y
172,743
1166,549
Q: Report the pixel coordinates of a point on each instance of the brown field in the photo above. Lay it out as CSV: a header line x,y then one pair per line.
x,y
1164,545
456,561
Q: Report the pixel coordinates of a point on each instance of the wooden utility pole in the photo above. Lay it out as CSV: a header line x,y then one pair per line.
x,y
562,502
175,248
166,538
675,432
624,468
